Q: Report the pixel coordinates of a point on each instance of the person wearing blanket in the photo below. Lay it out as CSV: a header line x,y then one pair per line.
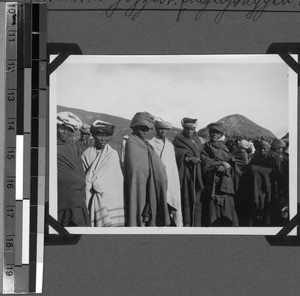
x,y
72,210
104,179
145,179
165,150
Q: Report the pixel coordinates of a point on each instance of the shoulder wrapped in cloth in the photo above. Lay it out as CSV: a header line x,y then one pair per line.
x,y
102,127
71,186
142,119
266,184
165,150
190,176
145,185
220,186
104,187
70,120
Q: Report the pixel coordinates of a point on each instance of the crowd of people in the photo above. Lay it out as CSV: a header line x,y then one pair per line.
x,y
158,182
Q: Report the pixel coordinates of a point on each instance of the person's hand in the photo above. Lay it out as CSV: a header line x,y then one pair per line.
x,y
194,160
226,165
220,168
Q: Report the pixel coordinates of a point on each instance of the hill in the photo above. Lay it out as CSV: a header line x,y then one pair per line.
x,y
239,126
121,125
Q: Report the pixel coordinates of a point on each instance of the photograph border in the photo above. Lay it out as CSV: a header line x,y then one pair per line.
x,y
293,171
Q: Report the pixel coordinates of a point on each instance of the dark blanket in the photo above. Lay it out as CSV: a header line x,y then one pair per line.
x,y
265,186
145,185
70,176
242,158
82,145
190,176
220,187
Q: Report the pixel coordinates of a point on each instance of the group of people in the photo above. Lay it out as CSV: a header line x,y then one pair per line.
x,y
157,182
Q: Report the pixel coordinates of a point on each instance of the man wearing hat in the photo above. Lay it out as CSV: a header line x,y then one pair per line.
x,y
219,181
279,150
72,210
145,179
84,143
277,147
104,178
165,150
188,151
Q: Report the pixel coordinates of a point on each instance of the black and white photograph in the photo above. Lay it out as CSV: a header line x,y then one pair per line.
x,y
173,144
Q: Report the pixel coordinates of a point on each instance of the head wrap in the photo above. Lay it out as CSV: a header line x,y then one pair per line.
x,y
163,124
264,143
277,143
189,122
244,144
70,120
85,128
142,119
218,126
100,126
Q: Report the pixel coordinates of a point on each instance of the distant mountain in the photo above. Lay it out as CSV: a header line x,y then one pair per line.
x,y
121,125
239,126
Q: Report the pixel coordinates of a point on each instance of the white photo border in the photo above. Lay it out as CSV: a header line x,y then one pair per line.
x,y
133,59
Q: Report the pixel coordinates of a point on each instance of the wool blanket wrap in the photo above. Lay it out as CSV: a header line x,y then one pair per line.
x,y
220,187
145,185
104,187
190,176
265,187
71,184
165,150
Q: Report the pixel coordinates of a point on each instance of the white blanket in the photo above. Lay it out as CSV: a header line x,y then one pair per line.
x,y
165,151
104,187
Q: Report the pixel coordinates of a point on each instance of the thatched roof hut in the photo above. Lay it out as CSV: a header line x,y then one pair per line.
x,y
239,126
286,137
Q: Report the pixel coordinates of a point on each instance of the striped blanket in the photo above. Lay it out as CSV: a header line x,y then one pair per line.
x,y
104,187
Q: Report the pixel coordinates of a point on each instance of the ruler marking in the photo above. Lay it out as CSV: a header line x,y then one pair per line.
x,y
11,148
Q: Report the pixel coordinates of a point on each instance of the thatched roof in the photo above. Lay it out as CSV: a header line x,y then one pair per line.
x,y
286,137
239,126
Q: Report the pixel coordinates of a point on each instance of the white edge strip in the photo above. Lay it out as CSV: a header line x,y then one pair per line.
x,y
19,166
25,231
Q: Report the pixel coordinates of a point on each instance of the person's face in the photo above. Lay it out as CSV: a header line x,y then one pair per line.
x,y
263,150
189,132
214,135
101,140
141,131
161,133
84,136
64,132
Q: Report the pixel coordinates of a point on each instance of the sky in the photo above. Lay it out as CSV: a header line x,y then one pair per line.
x,y
207,88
